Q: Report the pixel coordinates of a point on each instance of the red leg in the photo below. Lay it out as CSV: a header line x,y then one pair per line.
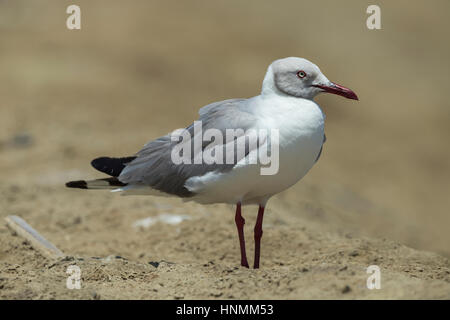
x,y
240,227
258,235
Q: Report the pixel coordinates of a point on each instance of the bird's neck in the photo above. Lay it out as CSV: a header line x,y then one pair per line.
x,y
269,89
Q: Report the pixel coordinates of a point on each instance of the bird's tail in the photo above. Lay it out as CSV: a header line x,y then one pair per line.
x,y
107,183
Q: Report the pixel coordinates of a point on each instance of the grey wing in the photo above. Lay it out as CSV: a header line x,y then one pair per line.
x,y
154,166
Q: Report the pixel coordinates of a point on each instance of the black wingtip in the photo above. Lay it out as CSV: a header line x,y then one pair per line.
x,y
80,184
98,162
111,166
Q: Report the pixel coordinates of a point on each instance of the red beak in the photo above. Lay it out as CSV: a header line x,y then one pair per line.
x,y
339,90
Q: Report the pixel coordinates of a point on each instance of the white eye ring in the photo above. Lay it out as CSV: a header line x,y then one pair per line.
x,y
301,74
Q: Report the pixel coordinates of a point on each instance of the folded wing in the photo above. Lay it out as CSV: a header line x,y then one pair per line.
x,y
153,165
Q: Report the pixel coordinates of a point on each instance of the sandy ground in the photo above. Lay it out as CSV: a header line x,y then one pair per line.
x,y
378,196
198,258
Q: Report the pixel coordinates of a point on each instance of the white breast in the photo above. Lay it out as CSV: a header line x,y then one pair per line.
x,y
300,124
301,128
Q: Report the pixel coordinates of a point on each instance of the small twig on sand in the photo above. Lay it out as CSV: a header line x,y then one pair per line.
x,y
23,229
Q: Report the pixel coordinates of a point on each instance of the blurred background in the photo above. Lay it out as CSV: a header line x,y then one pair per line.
x,y
137,70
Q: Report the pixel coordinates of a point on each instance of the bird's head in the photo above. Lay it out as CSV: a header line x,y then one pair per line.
x,y
301,78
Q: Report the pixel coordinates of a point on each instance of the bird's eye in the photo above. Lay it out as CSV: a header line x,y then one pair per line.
x,y
301,74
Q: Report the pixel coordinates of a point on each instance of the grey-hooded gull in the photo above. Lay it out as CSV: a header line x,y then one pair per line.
x,y
285,108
